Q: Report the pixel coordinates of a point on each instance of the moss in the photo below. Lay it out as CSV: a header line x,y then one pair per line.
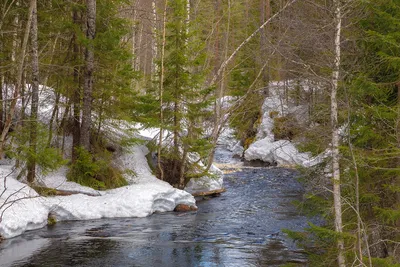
x,y
45,191
273,114
248,142
286,127
51,220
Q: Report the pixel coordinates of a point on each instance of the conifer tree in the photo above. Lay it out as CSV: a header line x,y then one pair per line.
x,y
183,97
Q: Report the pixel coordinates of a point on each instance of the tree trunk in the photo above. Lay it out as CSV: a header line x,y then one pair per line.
x,y
154,46
265,14
1,86
54,114
76,97
397,179
35,95
89,67
161,93
335,135
18,84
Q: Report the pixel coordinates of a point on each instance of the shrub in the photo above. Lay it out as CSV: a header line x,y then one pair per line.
x,y
95,171
285,127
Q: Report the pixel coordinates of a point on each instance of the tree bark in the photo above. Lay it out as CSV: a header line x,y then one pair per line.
x,y
18,84
161,93
88,82
35,96
265,14
154,45
335,134
76,97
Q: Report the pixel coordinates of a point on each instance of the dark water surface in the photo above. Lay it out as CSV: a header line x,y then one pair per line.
x,y
240,228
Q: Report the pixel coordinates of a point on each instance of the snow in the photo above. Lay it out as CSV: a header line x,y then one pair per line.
x,y
145,195
57,180
23,208
271,104
281,152
214,181
228,140
204,184
265,148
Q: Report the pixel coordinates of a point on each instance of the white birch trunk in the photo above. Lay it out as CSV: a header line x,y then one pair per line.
x,y
15,36
154,46
335,135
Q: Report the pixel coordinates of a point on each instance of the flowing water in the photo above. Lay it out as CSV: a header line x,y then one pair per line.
x,y
242,227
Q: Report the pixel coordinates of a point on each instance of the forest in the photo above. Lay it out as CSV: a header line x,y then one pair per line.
x,y
80,79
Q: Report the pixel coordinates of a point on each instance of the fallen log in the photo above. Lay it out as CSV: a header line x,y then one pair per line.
x,y
46,191
69,193
209,193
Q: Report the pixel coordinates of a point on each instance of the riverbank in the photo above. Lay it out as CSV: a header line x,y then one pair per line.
x,y
22,209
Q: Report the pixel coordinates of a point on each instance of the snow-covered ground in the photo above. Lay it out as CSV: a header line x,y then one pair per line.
x,y
280,152
23,209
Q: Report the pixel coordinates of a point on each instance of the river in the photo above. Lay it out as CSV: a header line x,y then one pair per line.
x,y
242,227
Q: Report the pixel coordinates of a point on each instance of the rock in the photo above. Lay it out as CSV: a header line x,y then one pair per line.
x,y
184,208
51,219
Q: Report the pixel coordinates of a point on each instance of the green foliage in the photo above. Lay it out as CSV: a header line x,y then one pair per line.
x,y
95,171
389,216
47,158
387,262
186,99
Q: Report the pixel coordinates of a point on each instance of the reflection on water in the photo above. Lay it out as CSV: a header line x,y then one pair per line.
x,y
240,228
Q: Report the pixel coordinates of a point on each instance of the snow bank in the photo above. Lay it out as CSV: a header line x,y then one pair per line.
x,y
265,148
206,183
228,140
214,181
271,104
280,152
144,196
57,180
21,208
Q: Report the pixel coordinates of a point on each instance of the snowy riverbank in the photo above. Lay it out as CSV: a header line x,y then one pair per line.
x,y
23,209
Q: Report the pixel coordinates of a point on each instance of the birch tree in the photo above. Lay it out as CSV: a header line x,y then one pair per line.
x,y
335,133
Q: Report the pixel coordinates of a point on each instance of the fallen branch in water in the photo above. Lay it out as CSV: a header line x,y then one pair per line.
x,y
209,193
